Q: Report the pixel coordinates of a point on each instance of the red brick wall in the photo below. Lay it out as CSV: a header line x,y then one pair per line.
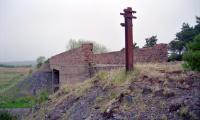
x,y
110,58
157,53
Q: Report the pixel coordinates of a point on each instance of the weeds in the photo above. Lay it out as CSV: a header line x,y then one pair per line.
x,y
118,77
83,87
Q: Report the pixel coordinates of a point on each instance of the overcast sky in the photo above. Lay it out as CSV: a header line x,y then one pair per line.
x,y
32,28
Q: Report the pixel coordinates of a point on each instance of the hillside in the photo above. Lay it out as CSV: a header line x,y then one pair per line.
x,y
151,91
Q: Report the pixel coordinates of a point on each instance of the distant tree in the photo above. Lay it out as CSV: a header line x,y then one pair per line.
x,y
192,55
135,45
150,42
186,34
176,46
40,60
73,44
97,48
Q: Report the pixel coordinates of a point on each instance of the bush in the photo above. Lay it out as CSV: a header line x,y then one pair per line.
x,y
192,56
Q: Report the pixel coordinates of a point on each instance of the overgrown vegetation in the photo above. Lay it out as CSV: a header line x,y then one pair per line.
x,y
115,77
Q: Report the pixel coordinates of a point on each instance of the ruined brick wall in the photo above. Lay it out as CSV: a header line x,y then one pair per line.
x,y
158,53
79,64
73,65
117,57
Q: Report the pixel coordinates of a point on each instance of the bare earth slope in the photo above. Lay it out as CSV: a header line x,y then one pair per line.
x,y
152,91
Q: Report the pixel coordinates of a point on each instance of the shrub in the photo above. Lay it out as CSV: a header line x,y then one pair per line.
x,y
192,56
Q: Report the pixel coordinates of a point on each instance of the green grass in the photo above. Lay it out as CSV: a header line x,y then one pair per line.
x,y
23,102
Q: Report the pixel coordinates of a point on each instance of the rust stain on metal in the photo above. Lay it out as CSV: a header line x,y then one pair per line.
x,y
128,16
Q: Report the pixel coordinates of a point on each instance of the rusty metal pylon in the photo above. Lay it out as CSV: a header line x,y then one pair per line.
x,y
128,16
